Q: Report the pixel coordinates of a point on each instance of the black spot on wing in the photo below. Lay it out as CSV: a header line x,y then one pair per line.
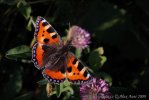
x,y
80,66
54,36
69,69
44,47
50,29
74,61
62,70
44,24
85,74
46,40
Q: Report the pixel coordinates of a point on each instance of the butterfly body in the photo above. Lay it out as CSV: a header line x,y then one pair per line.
x,y
53,56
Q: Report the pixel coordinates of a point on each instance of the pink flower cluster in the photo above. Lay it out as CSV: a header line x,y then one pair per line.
x,y
80,38
97,90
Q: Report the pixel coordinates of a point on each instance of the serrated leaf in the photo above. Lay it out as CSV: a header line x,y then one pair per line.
x,y
26,96
96,60
63,87
21,52
103,60
66,83
42,82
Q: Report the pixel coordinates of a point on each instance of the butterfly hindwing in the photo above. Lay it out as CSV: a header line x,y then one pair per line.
x,y
41,54
53,76
56,74
45,33
37,57
76,72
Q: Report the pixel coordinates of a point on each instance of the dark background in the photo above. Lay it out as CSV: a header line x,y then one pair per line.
x,y
121,27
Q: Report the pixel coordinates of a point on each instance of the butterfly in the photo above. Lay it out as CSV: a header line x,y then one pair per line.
x,y
53,56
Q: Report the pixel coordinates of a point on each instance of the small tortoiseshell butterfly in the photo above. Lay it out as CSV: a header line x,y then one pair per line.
x,y
53,56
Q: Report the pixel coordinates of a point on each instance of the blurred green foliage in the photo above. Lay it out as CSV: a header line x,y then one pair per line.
x,y
19,52
118,53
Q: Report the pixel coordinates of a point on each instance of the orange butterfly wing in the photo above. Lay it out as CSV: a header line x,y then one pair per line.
x,y
53,76
76,72
69,68
56,74
37,53
44,34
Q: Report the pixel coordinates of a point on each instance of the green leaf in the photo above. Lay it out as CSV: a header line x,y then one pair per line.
x,y
42,82
135,82
96,60
30,23
58,88
63,87
26,96
69,89
24,8
26,11
105,76
64,38
109,24
67,96
21,52
78,53
66,83
103,60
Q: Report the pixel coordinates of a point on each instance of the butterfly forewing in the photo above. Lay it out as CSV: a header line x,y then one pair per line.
x,y
45,33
